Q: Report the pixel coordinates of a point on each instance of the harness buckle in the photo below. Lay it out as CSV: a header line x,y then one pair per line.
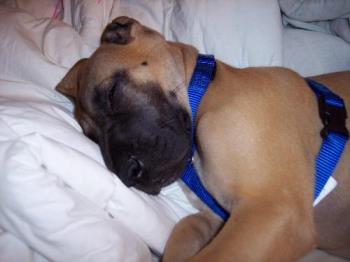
x,y
333,118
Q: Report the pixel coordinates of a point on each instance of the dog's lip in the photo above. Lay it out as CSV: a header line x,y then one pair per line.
x,y
149,190
156,186
185,158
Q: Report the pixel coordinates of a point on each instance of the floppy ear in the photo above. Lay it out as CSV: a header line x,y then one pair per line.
x,y
119,31
69,84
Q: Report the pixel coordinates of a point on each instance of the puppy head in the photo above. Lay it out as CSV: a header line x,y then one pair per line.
x,y
131,98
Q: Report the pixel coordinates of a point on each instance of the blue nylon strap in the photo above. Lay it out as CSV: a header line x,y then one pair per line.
x,y
330,152
202,75
192,180
333,144
334,141
321,90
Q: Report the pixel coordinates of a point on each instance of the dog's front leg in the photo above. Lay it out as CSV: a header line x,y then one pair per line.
x,y
190,235
260,231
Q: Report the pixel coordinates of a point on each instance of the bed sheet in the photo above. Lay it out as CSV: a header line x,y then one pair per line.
x,y
56,194
57,199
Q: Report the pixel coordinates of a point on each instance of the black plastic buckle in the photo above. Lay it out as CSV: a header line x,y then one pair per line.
x,y
333,118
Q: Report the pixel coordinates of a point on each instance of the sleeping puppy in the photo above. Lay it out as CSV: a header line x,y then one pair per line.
x,y
257,132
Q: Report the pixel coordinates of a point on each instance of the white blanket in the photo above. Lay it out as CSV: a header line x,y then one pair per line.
x,y
57,200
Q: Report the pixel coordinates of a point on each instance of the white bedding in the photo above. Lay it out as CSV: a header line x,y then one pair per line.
x,y
57,200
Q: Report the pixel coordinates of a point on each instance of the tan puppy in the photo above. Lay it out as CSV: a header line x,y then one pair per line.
x,y
257,133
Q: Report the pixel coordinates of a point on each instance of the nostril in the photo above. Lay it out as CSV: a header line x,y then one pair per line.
x,y
135,169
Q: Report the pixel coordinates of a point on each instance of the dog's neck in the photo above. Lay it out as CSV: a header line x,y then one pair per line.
x,y
189,55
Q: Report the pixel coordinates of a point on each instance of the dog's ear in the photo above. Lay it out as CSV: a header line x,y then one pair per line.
x,y
69,84
119,31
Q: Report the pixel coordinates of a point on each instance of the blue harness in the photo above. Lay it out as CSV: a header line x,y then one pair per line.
x,y
334,133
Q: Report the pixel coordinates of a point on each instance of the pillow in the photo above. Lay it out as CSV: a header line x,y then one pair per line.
x,y
238,36
56,195
37,205
88,18
38,8
316,52
315,10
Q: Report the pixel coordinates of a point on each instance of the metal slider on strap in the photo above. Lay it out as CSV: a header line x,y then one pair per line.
x,y
333,117
334,133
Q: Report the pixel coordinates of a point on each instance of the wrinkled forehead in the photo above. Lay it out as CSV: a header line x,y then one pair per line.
x,y
142,56
111,58
150,60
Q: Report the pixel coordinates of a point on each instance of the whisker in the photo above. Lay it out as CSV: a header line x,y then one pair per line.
x,y
178,86
167,122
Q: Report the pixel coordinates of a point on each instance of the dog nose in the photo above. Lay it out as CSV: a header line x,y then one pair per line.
x,y
133,172
119,31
